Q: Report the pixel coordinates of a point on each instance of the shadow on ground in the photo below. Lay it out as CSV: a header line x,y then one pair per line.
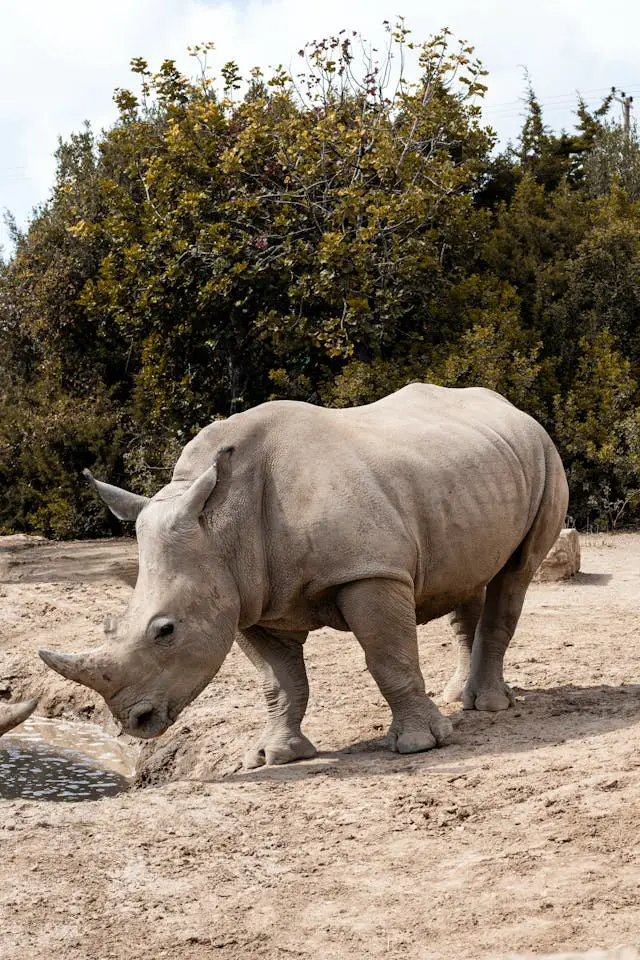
x,y
541,717
582,579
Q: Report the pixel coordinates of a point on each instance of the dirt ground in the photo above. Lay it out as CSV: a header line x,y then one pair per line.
x,y
521,837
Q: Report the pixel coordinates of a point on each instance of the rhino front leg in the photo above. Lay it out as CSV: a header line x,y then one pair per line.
x,y
464,621
382,615
280,661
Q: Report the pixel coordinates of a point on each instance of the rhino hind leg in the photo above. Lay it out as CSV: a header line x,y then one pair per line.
x,y
382,615
464,620
485,688
279,660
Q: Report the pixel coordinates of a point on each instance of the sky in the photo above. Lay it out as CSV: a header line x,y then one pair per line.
x,y
60,60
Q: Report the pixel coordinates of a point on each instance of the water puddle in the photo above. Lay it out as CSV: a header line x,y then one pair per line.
x,y
61,760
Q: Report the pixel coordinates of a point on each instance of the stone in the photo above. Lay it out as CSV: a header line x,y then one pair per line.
x,y
563,560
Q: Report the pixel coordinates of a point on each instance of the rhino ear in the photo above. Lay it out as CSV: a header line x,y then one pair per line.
x,y
210,488
124,505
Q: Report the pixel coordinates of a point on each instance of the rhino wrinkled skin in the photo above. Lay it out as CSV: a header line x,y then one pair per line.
x,y
288,517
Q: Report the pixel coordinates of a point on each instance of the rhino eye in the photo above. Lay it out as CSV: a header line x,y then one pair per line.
x,y
164,631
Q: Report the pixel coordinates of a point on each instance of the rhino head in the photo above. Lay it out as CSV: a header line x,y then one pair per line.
x,y
183,614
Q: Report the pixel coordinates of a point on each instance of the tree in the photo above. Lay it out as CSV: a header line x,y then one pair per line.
x,y
597,427
217,247
613,160
309,222
327,234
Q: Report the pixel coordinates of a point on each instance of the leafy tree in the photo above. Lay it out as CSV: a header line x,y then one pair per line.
x,y
597,427
314,220
326,234
613,160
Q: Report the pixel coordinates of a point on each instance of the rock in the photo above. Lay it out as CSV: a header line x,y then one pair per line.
x,y
563,560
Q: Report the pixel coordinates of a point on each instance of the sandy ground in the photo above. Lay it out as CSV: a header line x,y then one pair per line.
x,y
522,837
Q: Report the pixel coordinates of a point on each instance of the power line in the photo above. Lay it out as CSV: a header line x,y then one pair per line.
x,y
592,91
555,101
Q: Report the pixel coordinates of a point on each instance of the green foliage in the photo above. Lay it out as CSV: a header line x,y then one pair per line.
x,y
45,441
598,431
306,224
328,235
494,352
614,159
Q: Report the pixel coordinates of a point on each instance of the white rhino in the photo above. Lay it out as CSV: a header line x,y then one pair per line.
x,y
288,517
14,714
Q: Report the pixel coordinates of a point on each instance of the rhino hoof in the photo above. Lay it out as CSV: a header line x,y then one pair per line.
x,y
414,736
278,752
452,692
492,699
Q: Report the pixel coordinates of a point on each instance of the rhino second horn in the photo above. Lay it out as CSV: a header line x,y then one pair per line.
x,y
81,667
14,714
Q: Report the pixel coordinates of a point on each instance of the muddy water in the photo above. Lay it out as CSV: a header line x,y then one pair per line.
x,y
60,760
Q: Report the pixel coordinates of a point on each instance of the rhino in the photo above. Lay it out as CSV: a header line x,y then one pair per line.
x,y
14,714
288,517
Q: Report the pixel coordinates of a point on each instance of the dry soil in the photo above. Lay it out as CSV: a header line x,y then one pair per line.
x,y
521,837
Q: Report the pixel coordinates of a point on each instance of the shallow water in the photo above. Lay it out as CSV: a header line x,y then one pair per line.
x,y
61,760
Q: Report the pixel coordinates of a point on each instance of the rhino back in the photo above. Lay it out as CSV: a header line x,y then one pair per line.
x,y
430,485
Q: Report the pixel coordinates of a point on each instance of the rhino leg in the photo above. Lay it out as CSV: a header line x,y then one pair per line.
x,y
382,615
485,688
464,621
280,662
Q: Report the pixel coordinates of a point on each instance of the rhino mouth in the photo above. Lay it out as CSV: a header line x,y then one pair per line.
x,y
146,721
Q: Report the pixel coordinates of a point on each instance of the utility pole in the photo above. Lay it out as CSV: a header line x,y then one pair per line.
x,y
621,97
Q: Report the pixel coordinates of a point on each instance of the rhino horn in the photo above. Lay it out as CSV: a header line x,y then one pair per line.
x,y
91,669
123,504
199,496
11,716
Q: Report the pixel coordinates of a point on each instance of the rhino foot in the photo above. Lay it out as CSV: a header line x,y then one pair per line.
x,y
415,734
278,750
492,697
453,690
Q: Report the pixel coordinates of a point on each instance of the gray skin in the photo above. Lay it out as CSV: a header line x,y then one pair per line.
x,y
13,714
289,517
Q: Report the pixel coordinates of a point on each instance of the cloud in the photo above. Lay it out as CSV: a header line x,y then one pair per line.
x,y
61,61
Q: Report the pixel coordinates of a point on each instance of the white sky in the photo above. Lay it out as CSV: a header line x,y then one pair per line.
x,y
60,60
